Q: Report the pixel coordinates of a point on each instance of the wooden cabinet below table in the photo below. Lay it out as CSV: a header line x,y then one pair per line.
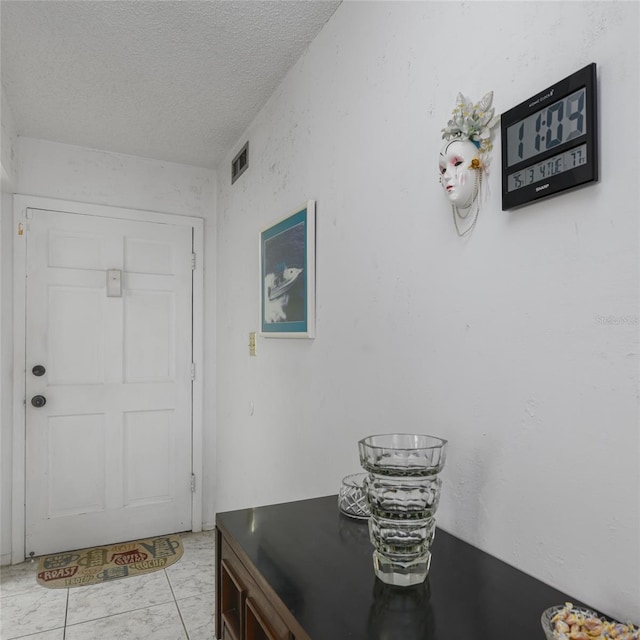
x,y
243,611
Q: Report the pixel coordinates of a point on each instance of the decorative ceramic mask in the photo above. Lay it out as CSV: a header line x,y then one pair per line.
x,y
464,158
459,178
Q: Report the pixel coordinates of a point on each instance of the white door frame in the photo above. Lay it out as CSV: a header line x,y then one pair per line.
x,y
20,205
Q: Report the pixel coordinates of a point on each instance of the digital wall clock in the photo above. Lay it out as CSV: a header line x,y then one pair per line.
x,y
550,142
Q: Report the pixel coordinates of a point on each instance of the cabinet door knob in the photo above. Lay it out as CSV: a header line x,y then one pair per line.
x,y
38,370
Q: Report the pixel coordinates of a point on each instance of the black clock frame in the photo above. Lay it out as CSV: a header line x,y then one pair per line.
x,y
572,178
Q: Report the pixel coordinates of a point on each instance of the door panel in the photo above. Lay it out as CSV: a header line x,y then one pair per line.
x,y
147,256
148,435
109,454
75,335
65,436
69,250
149,336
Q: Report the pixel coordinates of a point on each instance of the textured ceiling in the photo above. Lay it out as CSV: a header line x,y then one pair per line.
x,y
172,80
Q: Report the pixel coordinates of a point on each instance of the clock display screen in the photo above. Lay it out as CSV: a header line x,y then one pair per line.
x,y
566,161
545,129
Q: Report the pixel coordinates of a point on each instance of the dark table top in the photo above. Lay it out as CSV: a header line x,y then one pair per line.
x,y
319,563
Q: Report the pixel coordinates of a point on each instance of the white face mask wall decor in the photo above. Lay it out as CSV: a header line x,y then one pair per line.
x,y
464,158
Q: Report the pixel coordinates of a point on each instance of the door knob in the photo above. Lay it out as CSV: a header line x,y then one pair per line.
x,y
38,401
38,370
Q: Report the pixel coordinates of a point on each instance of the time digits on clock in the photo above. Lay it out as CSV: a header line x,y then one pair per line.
x,y
558,123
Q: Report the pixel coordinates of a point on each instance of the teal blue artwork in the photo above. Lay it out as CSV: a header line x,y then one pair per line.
x,y
287,276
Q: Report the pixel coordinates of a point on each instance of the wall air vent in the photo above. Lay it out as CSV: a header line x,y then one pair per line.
x,y
240,163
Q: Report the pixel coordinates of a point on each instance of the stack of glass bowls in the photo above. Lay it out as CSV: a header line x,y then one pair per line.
x,y
403,491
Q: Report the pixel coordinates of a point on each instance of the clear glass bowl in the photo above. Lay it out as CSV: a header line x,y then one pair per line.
x,y
548,614
404,496
549,627
352,499
400,454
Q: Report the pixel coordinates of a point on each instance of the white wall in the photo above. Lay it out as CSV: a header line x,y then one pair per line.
x,y
100,177
86,175
8,144
9,168
518,344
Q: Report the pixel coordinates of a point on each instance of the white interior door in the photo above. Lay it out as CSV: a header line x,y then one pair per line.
x,y
108,456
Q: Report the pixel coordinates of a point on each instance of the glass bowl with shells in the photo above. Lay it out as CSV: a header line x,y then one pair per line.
x,y
567,622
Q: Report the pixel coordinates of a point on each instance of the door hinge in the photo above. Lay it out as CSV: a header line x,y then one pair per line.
x,y
193,262
193,483
193,370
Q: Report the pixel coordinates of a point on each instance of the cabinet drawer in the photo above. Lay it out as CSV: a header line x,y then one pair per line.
x,y
262,622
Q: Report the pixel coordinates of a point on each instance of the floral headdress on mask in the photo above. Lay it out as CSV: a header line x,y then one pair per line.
x,y
473,122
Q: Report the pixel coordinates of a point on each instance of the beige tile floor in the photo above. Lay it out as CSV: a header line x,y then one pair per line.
x,y
172,604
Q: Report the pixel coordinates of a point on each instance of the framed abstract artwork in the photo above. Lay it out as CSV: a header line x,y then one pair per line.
x,y
287,275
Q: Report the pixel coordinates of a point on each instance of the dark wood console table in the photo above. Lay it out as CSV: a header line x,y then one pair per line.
x,y
303,571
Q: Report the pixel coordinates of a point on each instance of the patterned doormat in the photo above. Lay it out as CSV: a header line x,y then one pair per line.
x,y
102,564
